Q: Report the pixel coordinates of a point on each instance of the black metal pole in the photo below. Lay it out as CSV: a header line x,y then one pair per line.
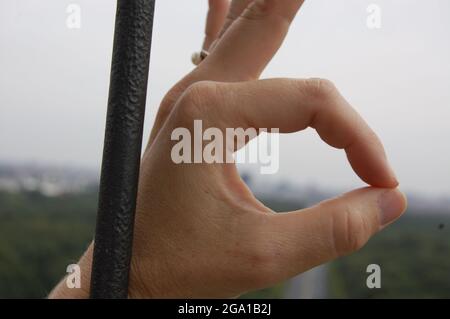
x,y
122,149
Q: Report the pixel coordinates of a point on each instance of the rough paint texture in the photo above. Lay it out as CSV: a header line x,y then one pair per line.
x,y
122,148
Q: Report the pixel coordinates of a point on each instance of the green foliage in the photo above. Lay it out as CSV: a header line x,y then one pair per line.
x,y
414,256
39,237
276,292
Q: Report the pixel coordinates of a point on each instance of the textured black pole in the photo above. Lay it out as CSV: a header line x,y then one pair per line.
x,y
122,148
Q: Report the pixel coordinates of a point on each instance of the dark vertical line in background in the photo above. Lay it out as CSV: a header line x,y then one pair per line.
x,y
122,148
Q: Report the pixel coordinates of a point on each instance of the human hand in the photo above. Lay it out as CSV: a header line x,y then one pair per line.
x,y
199,231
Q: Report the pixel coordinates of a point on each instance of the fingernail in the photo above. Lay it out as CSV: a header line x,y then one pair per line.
x,y
392,204
394,176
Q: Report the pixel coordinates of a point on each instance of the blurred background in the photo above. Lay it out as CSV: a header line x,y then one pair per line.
x,y
55,60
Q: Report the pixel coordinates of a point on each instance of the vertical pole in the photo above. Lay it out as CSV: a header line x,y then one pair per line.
x,y
122,148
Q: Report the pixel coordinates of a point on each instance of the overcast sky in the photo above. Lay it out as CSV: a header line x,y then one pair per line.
x,y
54,81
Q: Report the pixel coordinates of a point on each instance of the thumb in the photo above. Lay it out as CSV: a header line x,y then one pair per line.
x,y
304,239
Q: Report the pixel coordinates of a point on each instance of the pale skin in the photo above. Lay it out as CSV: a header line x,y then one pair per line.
x,y
199,231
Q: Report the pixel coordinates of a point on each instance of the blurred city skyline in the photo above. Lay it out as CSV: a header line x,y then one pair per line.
x,y
54,81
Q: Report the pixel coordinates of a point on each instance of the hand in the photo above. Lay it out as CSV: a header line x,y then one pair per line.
x,y
199,231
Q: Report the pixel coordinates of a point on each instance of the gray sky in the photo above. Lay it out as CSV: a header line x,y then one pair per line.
x,y
54,81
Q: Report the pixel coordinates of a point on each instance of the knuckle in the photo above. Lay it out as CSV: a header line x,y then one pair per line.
x,y
257,10
235,11
196,99
350,231
321,88
267,9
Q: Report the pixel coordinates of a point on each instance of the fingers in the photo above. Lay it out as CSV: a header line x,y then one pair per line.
x,y
290,106
304,239
237,7
215,20
252,40
243,52
316,103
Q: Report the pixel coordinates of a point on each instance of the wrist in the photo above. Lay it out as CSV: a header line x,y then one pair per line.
x,y
137,288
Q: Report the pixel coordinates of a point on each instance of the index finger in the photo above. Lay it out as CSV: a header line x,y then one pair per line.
x,y
293,105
